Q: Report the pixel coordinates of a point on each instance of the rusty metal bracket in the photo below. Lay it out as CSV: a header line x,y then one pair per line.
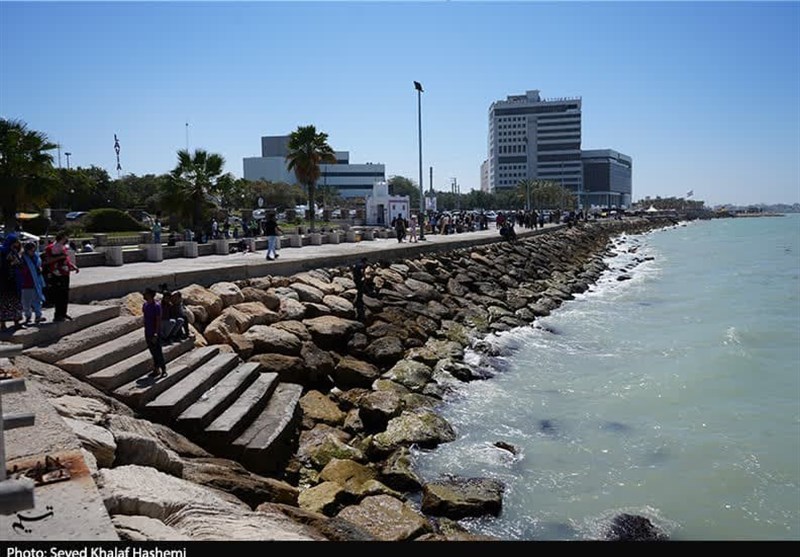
x,y
51,471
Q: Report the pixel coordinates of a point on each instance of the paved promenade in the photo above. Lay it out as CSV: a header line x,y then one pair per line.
x,y
105,282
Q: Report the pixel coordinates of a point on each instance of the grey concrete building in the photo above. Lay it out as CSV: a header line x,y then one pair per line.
x,y
607,178
351,180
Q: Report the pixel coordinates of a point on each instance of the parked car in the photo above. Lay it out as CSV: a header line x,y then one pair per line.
x,y
75,215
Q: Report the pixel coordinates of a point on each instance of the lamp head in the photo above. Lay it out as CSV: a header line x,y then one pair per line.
x,y
418,86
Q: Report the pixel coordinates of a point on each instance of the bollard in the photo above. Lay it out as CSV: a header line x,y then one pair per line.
x,y
295,240
221,246
351,235
316,239
113,256
154,252
189,249
368,234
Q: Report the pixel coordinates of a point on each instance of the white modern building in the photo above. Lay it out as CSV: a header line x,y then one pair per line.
x,y
485,176
534,138
351,180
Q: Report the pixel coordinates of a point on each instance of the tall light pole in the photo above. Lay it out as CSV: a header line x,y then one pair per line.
x,y
418,87
67,154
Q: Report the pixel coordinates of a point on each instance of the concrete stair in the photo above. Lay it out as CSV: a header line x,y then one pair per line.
x,y
83,316
171,403
85,339
101,356
240,415
231,408
269,441
135,366
139,392
216,400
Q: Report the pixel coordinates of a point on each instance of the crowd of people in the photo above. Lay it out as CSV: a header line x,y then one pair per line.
x,y
31,279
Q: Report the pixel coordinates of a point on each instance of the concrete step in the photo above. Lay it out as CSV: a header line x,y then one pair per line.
x,y
171,403
86,338
104,355
218,398
270,441
239,415
139,392
129,369
83,316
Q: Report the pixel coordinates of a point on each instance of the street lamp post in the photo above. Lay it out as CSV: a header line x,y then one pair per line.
x,y
67,154
418,87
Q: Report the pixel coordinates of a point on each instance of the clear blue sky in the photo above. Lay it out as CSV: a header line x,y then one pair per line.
x,y
703,96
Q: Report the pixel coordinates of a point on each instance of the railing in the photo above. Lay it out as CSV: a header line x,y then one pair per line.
x,y
15,494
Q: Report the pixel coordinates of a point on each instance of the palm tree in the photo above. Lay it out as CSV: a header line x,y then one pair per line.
x,y
194,183
307,150
26,169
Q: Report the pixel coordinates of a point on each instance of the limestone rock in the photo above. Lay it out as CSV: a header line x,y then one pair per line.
x,y
387,518
196,295
95,439
351,372
422,427
330,332
457,497
320,408
133,448
411,374
228,292
385,351
291,309
136,528
267,338
326,498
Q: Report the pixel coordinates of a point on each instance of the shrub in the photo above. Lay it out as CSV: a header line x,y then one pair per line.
x,y
111,220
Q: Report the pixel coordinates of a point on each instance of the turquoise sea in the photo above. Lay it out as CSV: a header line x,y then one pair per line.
x,y
674,395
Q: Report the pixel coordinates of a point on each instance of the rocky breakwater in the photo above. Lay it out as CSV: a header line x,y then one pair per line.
x,y
371,391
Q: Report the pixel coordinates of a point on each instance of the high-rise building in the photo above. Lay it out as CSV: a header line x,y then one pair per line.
x,y
351,180
535,138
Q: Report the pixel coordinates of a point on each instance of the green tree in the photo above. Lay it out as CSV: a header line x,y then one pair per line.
x,y
195,184
400,185
26,169
308,149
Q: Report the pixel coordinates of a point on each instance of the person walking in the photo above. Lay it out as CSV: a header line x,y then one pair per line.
x,y
157,231
272,231
413,231
359,269
151,311
10,303
32,284
400,227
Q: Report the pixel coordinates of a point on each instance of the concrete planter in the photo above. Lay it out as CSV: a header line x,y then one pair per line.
x,y
154,252
113,256
368,234
351,236
189,249
295,240
221,246
333,238
383,233
316,239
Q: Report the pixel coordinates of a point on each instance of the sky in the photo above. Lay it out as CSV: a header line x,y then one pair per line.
x,y
704,96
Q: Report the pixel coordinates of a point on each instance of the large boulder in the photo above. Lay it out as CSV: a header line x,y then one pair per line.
x,y
137,528
196,295
134,448
387,518
267,338
330,332
422,427
340,307
457,497
270,300
308,293
95,439
291,309
229,292
351,372
411,374
385,350
319,408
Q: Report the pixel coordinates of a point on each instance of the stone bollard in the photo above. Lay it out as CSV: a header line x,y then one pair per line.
x,y
383,233
295,240
333,237
351,236
154,252
316,239
100,240
368,234
189,249
221,246
113,256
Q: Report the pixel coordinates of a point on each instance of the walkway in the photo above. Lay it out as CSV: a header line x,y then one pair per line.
x,y
106,282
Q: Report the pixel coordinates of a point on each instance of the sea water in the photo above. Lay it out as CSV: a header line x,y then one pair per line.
x,y
674,395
